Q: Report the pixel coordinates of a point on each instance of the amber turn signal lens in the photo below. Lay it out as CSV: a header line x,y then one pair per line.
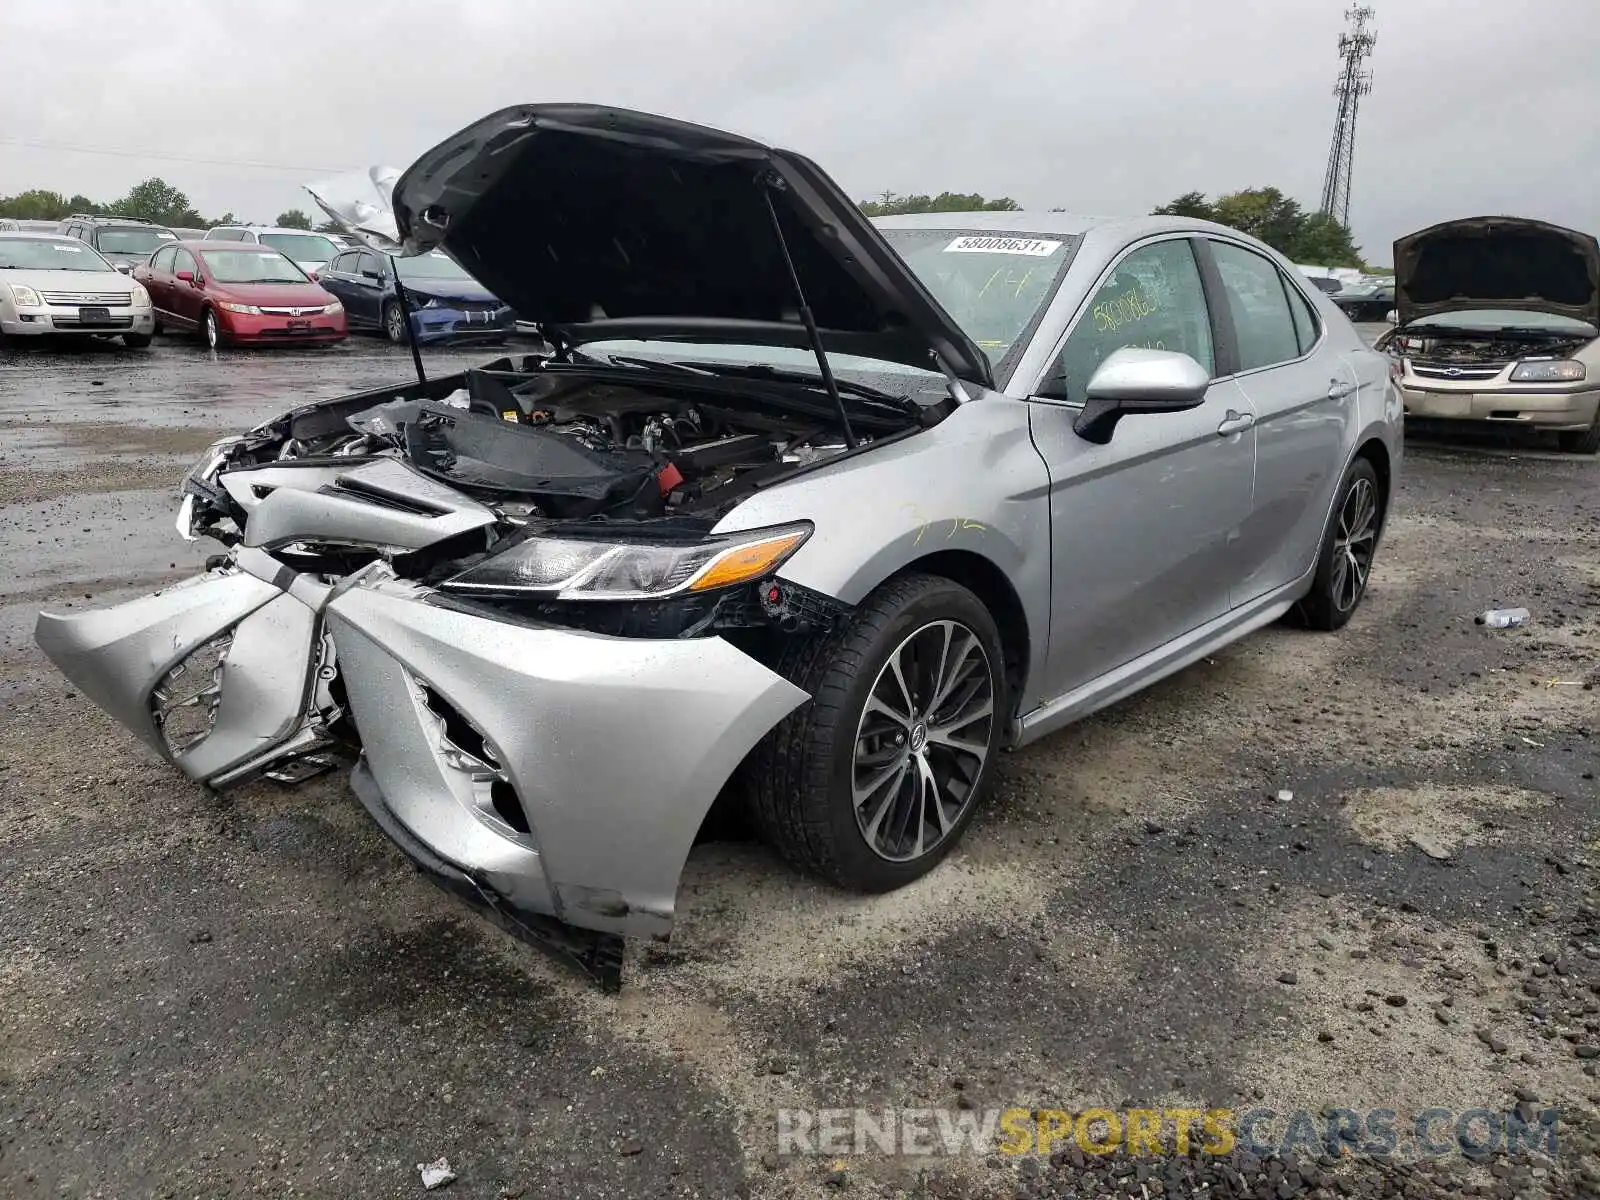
x,y
744,563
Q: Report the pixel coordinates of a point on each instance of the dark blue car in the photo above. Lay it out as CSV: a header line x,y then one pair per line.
x,y
445,301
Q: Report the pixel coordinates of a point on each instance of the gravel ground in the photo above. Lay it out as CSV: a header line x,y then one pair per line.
x,y
1312,872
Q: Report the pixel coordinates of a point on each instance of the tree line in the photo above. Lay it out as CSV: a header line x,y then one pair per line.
x,y
153,200
1313,238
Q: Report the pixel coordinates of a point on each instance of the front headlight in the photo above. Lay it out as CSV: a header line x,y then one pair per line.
x,y
561,568
246,310
25,297
139,298
1549,371
330,309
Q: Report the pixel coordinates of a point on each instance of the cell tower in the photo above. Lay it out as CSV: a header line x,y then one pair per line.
x,y
1355,81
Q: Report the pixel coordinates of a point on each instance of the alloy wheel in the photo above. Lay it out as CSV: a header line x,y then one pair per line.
x,y
213,334
1354,541
394,325
922,741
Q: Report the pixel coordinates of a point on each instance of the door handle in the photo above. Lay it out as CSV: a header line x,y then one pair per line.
x,y
1338,391
1235,422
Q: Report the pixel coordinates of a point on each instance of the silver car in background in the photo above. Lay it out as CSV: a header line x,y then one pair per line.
x,y
51,284
812,514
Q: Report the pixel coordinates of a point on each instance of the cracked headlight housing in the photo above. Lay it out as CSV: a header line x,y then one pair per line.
x,y
1548,371
568,568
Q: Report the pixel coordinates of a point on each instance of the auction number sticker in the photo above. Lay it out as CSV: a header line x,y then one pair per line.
x,y
1033,247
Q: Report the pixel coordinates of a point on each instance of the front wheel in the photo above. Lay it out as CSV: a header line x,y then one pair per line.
x,y
210,330
394,322
1344,562
874,781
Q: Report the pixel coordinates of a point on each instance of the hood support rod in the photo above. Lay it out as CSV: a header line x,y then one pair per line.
x,y
828,380
405,315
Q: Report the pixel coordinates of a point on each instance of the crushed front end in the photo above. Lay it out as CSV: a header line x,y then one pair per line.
x,y
488,590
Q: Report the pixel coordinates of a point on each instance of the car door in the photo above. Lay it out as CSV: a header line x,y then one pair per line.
x,y
366,290
187,294
1143,528
1302,396
157,279
336,279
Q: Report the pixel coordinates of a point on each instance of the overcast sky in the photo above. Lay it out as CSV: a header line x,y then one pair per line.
x,y
1103,108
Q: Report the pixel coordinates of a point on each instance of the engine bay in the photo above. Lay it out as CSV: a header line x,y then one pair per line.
x,y
1479,349
543,442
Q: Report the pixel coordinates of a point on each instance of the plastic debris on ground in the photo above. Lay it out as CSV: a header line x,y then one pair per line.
x,y
1503,618
436,1174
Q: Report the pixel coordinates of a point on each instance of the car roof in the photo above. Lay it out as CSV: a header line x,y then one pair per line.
x,y
271,229
1066,224
225,244
36,235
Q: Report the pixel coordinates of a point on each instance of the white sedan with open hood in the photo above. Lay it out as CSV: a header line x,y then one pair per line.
x,y
1497,320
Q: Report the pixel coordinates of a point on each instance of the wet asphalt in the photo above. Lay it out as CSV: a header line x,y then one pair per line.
x,y
1356,870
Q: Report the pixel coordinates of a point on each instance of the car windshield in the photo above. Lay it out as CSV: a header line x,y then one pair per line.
x,y
127,240
994,283
1504,318
251,266
48,254
434,267
302,247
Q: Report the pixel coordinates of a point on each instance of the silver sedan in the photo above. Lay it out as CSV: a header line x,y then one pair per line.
x,y
816,513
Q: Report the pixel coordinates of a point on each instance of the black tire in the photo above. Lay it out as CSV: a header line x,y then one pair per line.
x,y
394,324
1581,441
136,341
802,776
210,330
1330,604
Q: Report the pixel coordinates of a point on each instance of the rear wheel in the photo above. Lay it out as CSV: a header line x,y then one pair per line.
x,y
1348,546
394,322
1581,441
136,341
874,781
210,330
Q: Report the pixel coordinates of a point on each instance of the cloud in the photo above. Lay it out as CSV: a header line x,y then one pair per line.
x,y
1106,109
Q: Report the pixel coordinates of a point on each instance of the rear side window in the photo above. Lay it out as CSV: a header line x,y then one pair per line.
x,y
1262,321
1306,326
163,260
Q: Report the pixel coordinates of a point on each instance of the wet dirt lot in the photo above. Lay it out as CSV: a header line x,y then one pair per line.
x,y
1356,870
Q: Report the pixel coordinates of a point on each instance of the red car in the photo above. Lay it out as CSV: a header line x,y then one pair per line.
x,y
238,293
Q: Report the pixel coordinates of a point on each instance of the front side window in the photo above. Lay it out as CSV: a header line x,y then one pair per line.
x,y
184,261
369,262
1153,300
1262,320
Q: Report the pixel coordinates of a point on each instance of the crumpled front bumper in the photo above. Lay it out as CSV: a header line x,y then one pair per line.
x,y
553,777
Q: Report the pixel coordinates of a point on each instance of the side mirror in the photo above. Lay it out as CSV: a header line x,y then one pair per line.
x,y
185,276
123,268
1133,381
369,273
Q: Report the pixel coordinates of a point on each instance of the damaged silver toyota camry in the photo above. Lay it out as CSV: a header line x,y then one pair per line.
x,y
810,514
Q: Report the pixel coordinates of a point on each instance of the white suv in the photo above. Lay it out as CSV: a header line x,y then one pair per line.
x,y
54,284
308,251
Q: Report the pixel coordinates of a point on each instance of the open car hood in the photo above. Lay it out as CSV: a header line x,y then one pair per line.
x,y
599,222
1497,262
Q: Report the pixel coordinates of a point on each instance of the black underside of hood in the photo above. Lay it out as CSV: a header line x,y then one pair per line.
x,y
1497,262
600,222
